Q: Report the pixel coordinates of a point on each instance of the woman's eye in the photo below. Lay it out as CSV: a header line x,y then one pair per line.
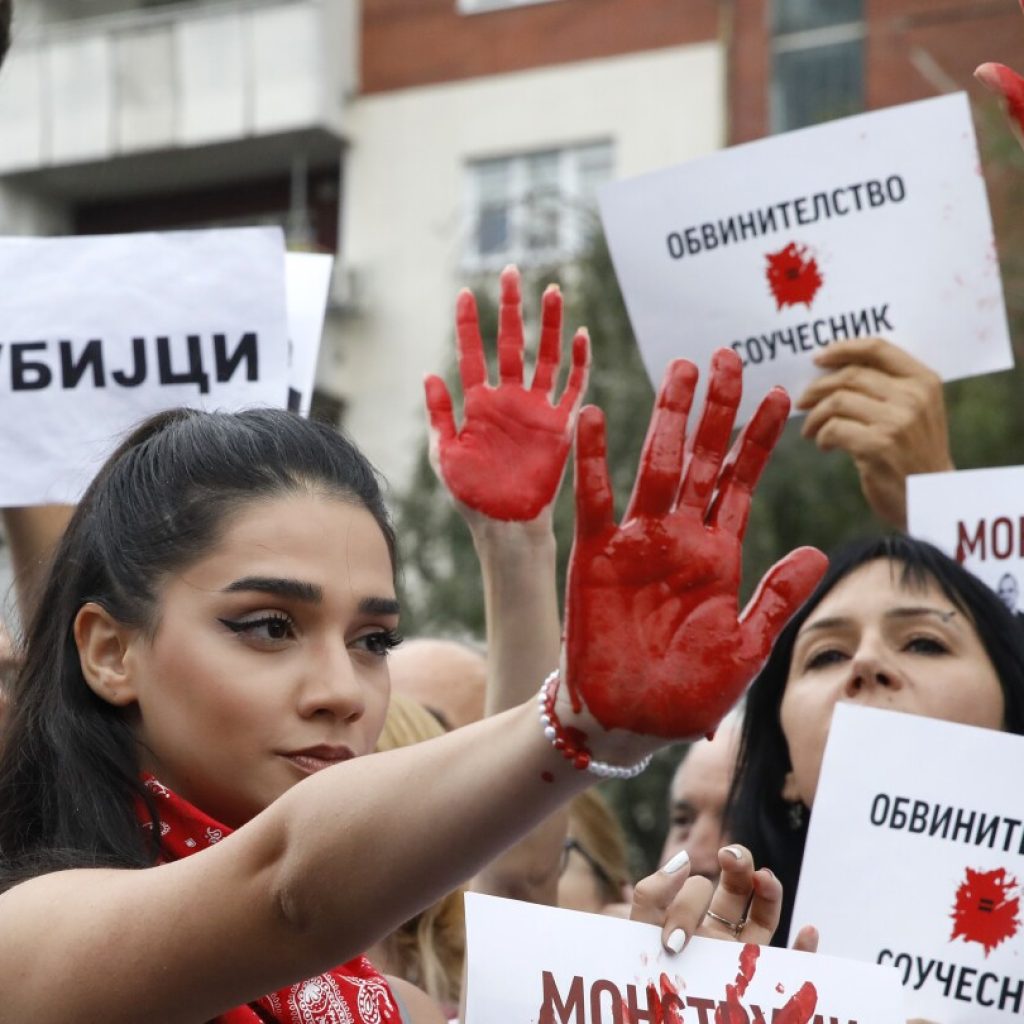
x,y
271,628
822,659
379,643
926,645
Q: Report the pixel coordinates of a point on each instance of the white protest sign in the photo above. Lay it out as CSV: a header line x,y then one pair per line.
x,y
876,224
539,965
915,856
98,332
977,517
308,277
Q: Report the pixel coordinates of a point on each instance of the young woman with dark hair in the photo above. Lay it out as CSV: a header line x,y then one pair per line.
x,y
207,668
894,623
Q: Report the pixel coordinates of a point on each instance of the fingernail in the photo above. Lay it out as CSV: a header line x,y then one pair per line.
x,y
769,871
676,940
676,863
735,851
552,288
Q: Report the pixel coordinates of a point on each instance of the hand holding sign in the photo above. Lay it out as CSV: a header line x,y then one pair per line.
x,y
654,641
743,906
887,410
507,460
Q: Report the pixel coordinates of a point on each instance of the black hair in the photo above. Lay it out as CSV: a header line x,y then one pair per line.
x,y
5,27
69,772
756,815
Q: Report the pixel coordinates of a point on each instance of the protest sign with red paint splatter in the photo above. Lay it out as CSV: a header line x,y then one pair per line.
x,y
539,965
873,225
933,808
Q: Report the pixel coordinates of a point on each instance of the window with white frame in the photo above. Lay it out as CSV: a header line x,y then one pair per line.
x,y
480,6
818,61
533,208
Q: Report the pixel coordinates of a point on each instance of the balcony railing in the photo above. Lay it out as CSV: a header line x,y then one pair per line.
x,y
173,78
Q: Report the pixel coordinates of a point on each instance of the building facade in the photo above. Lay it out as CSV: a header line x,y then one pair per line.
x,y
428,142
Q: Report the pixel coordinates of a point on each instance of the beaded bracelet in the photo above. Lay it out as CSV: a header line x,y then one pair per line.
x,y
572,744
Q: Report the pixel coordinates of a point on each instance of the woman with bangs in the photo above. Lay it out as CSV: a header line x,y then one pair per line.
x,y
893,624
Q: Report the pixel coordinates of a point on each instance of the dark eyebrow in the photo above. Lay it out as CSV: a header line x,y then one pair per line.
x,y
310,593
826,624
379,606
298,590
892,613
913,613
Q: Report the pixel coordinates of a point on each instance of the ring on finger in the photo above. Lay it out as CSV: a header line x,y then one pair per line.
x,y
735,927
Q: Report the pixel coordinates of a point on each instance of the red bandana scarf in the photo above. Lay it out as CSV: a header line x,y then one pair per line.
x,y
354,993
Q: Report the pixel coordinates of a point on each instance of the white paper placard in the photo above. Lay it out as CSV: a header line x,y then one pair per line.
x,y
98,332
308,277
977,517
915,856
539,965
916,263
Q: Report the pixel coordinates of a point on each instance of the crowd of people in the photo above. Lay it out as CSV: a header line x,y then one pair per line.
x,y
192,826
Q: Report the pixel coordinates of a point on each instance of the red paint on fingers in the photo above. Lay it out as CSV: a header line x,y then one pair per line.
x,y
508,458
1006,83
654,641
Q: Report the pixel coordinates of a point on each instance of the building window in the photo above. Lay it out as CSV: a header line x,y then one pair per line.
x,y
481,6
818,61
534,208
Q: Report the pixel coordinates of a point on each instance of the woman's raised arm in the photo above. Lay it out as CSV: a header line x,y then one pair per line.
x,y
654,644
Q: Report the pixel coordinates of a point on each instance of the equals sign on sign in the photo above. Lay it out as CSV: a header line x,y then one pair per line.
x,y
987,906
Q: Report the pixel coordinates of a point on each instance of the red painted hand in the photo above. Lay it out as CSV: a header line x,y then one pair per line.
x,y
654,640
1008,84
508,459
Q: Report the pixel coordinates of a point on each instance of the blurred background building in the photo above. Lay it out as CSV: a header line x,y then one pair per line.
x,y
428,142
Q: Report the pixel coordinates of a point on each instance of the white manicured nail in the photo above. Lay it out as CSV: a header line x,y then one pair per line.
x,y
676,940
735,851
676,863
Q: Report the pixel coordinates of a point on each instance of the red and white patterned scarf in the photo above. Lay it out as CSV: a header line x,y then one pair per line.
x,y
355,993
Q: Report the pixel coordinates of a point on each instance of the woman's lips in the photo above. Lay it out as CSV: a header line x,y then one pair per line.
x,y
317,759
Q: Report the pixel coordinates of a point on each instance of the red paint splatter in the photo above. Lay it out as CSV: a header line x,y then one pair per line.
x,y
509,456
983,911
780,989
671,1002
654,639
1006,83
800,1008
731,1011
547,777
793,276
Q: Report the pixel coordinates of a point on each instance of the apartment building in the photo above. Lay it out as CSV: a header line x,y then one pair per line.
x,y
428,142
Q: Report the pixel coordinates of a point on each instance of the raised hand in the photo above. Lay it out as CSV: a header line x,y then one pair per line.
x,y
507,460
1006,83
655,643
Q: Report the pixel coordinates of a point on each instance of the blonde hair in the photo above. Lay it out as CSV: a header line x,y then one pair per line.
x,y
592,823
428,950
